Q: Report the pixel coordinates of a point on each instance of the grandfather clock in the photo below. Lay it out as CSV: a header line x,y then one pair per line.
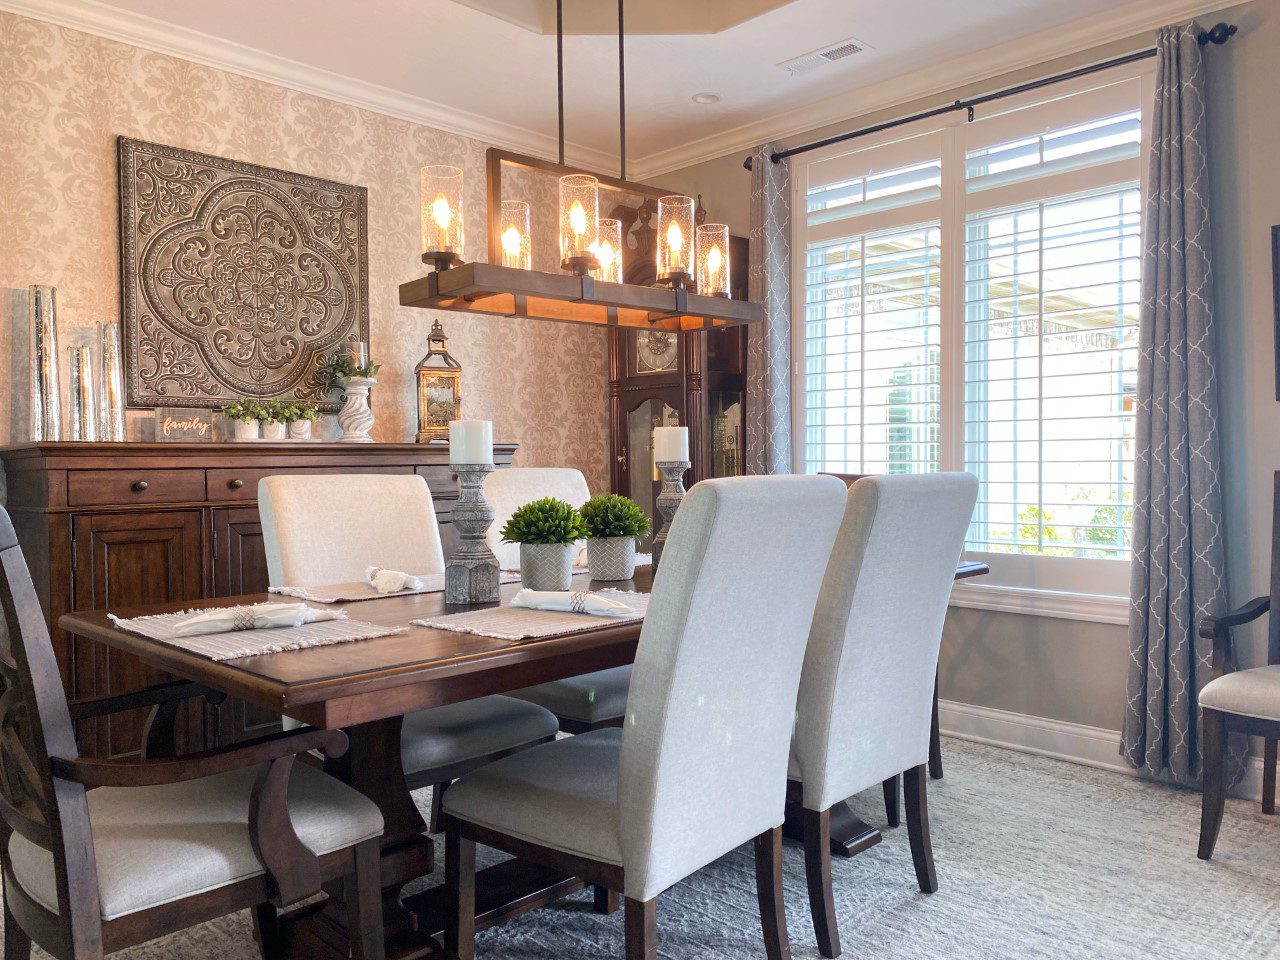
x,y
697,380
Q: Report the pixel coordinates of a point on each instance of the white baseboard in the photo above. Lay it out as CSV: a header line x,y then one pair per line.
x,y
1074,742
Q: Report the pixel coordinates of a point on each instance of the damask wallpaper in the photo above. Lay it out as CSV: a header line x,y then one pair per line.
x,y
68,95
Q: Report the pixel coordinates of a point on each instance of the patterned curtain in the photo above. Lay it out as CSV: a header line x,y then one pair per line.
x,y
1178,571
769,344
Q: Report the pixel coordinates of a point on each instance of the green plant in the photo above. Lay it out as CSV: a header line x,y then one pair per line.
x,y
343,367
544,521
306,410
611,515
272,411
244,409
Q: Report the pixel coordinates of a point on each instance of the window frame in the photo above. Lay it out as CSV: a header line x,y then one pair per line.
x,y
1078,588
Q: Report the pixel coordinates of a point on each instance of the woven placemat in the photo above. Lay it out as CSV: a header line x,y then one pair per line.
x,y
521,623
352,592
252,643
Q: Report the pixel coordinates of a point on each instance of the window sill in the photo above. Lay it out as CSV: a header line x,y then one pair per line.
x,y
1089,607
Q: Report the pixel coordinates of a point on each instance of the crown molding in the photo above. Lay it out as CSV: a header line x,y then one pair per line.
x,y
100,19
1126,21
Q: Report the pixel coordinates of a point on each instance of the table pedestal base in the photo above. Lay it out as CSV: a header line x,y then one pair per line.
x,y
850,835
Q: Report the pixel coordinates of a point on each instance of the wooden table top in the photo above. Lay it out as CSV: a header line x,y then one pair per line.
x,y
346,683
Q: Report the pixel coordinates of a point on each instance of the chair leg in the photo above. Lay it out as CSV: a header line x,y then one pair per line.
x,y
1213,796
641,923
266,930
1269,775
606,901
363,893
437,807
773,910
17,945
935,739
913,789
891,789
817,870
460,892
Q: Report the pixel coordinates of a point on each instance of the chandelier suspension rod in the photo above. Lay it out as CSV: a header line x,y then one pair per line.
x,y
622,102
560,70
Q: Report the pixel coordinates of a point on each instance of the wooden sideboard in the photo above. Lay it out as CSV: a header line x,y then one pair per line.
x,y
118,525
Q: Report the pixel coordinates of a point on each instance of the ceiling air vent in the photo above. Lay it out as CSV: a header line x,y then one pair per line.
x,y
808,62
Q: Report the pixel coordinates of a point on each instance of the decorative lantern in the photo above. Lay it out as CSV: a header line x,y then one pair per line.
x,y
439,388
579,222
517,248
441,216
675,240
608,251
713,260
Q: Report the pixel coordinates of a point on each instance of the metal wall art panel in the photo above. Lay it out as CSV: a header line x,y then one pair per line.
x,y
237,280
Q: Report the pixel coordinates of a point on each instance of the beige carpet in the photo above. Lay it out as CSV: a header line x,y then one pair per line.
x,y
1036,859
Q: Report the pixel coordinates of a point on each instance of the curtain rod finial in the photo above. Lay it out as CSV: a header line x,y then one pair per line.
x,y
746,164
1219,34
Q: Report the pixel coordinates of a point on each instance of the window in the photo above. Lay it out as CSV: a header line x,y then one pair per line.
x,y
967,299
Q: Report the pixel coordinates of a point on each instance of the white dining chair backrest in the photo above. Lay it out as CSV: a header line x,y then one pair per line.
x,y
866,693
511,488
709,716
328,529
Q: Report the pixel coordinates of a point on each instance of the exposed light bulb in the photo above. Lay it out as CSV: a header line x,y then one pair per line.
x,y
441,212
578,218
715,260
675,240
511,242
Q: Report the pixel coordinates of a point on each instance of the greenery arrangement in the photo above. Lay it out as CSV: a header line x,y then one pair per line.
x,y
345,366
544,521
298,410
244,409
272,411
611,515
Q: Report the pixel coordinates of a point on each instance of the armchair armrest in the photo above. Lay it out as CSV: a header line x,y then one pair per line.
x,y
1218,629
147,773
178,690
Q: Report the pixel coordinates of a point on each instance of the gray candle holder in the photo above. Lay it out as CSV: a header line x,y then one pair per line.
x,y
472,574
668,501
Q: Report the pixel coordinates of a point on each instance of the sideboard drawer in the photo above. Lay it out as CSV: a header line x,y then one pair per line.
x,y
242,484
96,488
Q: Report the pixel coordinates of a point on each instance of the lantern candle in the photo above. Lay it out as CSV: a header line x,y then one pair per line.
x,y
608,251
713,260
579,222
517,248
675,240
441,216
471,441
671,444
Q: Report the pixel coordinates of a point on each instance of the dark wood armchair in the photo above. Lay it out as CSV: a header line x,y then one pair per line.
x,y
100,855
1242,701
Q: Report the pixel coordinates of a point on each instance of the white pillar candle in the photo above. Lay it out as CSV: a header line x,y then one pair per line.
x,y
671,444
471,441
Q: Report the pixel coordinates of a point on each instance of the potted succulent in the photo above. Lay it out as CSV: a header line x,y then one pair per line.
x,y
300,415
354,377
244,415
613,523
273,423
546,530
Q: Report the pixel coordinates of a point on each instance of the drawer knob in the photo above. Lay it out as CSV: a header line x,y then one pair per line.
x,y
140,485
235,484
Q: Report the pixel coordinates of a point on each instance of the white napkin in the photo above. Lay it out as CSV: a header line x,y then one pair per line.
x,y
573,601
391,581
259,616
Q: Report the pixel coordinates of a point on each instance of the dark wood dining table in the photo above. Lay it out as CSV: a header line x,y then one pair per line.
x,y
366,688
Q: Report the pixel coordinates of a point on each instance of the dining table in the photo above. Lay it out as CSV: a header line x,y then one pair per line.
x,y
365,688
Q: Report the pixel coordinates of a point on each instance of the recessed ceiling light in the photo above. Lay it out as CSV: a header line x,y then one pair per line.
x,y
706,98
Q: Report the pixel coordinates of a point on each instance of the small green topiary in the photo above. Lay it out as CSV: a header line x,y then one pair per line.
x,y
544,521
244,409
611,515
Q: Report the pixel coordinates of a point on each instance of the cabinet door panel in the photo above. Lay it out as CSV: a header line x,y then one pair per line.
x,y
240,567
121,561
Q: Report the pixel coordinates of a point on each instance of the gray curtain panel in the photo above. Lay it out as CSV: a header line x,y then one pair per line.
x,y
769,343
1178,571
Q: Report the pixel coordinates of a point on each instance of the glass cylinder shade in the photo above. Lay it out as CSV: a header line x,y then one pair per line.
x,y
441,209
608,251
579,215
517,249
713,260
675,237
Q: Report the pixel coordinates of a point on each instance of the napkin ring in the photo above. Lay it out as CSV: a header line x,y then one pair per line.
x,y
578,602
243,618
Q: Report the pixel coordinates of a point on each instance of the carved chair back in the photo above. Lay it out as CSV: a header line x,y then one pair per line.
x,y
35,724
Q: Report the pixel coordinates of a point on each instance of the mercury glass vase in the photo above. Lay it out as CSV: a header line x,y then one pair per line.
x,y
110,384
46,408
83,413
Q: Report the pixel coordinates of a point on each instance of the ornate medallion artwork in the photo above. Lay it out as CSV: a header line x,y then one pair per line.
x,y
238,280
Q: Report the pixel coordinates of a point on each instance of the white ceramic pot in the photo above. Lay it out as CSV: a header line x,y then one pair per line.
x,y
611,558
300,430
546,566
274,429
245,429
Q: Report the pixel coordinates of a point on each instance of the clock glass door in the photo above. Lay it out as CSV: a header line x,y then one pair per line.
x,y
644,481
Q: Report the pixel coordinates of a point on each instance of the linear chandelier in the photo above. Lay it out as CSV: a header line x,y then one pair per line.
x,y
692,268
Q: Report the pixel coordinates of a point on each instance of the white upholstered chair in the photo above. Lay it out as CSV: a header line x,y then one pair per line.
x,y
321,530
592,700
866,693
699,766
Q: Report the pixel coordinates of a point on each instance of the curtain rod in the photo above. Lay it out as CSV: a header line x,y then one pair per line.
x,y
1219,34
